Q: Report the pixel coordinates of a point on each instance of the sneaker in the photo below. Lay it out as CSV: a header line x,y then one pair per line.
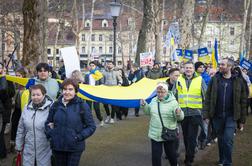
x,y
208,144
112,121
7,128
107,119
102,123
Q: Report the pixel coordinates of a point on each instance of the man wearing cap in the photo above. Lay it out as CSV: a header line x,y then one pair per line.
x,y
191,93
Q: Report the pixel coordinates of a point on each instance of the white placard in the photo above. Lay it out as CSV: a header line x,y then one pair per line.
x,y
146,59
71,60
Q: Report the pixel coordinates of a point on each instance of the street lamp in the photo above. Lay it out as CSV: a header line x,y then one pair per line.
x,y
115,8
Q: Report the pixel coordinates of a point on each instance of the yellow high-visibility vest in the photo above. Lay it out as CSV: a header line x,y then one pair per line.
x,y
189,98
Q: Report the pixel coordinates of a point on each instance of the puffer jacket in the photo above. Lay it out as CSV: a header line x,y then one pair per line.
x,y
155,73
73,124
168,112
31,136
51,85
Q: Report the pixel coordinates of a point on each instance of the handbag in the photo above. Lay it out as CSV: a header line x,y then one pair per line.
x,y
167,134
17,160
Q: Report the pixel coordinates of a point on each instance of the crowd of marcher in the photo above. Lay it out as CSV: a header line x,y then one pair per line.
x,y
50,123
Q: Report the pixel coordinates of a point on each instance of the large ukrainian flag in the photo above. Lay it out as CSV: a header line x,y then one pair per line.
x,y
116,95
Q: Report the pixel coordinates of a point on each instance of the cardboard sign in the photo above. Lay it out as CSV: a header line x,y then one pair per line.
x,y
71,60
244,63
203,55
188,55
146,59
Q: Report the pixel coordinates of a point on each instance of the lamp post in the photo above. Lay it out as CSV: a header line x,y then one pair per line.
x,y
115,8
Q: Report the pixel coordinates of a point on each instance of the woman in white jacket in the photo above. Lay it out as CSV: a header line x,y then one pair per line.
x,y
31,140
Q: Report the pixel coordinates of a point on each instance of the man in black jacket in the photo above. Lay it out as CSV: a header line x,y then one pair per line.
x,y
225,103
7,91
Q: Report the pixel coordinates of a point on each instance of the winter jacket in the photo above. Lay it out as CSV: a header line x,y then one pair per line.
x,y
168,112
111,77
7,92
73,124
239,98
206,77
136,76
155,73
51,85
31,135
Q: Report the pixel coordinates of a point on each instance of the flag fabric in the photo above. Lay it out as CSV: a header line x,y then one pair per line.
x,y
214,57
203,55
128,97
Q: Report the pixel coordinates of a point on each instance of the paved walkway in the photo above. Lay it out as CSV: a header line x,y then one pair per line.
x,y
124,143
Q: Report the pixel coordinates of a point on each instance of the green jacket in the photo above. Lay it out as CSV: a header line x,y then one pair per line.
x,y
239,99
169,117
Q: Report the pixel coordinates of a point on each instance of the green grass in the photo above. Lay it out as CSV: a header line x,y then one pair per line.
x,y
242,152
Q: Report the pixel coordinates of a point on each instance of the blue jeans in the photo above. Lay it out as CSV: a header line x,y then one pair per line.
x,y
225,128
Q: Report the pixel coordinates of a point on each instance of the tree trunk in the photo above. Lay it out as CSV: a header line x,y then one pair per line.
x,y
250,33
91,31
244,24
205,20
158,29
34,43
186,23
145,29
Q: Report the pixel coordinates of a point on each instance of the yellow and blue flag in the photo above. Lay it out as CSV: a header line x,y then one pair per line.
x,y
129,96
214,57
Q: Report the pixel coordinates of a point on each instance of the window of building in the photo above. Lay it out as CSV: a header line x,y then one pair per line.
x,y
49,51
232,31
87,23
209,44
93,49
232,42
100,37
104,23
83,49
93,37
119,50
57,51
100,49
110,50
110,37
83,37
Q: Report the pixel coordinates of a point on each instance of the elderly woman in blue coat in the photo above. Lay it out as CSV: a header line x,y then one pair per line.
x,y
170,113
31,140
69,124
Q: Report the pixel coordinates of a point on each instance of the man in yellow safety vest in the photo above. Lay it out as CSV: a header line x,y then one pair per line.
x,y
191,89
